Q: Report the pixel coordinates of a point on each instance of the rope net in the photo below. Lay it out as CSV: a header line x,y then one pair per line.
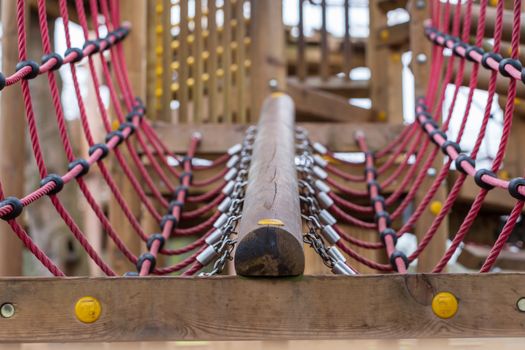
x,y
328,193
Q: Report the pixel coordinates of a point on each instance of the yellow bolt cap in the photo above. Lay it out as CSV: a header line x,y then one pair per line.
x,y
88,309
444,305
435,207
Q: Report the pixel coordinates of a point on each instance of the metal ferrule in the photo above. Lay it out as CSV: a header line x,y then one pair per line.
x,y
230,175
322,186
207,256
214,237
234,149
320,173
228,188
340,268
330,235
327,218
220,221
336,254
325,200
232,161
320,161
319,148
225,205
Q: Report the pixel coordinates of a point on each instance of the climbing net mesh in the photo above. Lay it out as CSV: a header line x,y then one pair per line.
x,y
323,187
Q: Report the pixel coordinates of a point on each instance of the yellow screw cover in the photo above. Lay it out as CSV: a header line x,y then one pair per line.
x,y
88,309
444,305
275,222
435,207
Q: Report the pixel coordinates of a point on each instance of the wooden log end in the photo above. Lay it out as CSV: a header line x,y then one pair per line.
x,y
269,251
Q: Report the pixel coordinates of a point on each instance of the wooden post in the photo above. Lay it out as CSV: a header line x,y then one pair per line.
x,y
12,142
270,235
267,51
133,11
420,47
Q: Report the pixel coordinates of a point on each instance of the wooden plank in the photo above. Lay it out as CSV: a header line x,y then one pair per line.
x,y
240,77
473,256
227,61
213,88
301,45
326,105
325,62
347,46
222,308
182,57
396,35
272,193
334,135
336,85
389,5
167,57
12,142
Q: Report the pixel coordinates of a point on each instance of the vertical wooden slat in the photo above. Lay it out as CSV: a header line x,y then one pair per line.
x,y
301,63
325,61
212,62
167,57
151,60
241,57
199,64
227,61
12,142
346,43
183,75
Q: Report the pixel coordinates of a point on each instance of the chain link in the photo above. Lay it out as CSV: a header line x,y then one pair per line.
x,y
310,208
224,247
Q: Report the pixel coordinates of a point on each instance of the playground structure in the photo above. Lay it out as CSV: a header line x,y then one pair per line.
x,y
224,142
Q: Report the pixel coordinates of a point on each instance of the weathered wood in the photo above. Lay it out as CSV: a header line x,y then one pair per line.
x,y
272,248
325,105
267,52
133,11
12,142
221,308
421,69
473,257
336,85
334,135
396,35
490,22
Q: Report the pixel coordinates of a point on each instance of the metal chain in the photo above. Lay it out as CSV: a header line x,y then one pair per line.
x,y
318,220
221,244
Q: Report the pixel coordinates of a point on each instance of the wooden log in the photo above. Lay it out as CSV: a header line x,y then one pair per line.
x,y
267,54
490,22
421,69
334,135
502,83
133,11
232,308
12,142
270,239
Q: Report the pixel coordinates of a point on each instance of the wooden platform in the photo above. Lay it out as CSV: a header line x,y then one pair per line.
x,y
231,308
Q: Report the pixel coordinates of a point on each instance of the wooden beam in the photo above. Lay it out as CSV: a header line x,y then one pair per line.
x,y
325,105
222,308
490,22
389,5
473,256
267,51
335,85
396,35
334,135
12,142
270,239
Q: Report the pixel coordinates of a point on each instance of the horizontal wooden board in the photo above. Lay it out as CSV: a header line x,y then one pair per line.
x,y
222,308
217,138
